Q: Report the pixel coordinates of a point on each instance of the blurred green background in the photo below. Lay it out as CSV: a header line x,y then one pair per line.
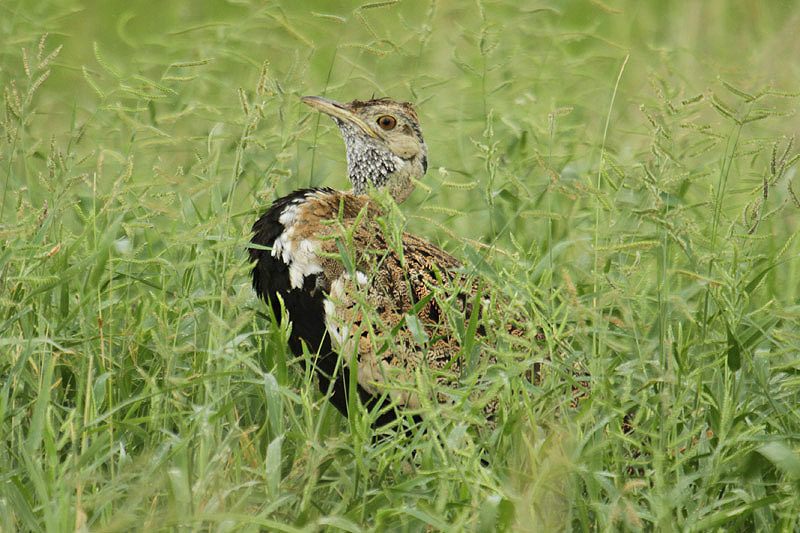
x,y
539,79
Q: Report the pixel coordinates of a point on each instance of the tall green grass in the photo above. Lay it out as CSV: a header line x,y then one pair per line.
x,y
623,171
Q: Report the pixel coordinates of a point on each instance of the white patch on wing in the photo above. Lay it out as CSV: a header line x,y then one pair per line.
x,y
282,246
303,262
301,257
290,213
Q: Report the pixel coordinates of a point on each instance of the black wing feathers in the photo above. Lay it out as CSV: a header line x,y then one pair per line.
x,y
304,306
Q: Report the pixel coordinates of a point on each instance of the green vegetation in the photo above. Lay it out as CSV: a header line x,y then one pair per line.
x,y
625,167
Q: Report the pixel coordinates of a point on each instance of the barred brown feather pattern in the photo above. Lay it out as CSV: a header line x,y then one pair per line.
x,y
393,308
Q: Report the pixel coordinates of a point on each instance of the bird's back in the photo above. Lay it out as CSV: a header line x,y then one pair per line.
x,y
390,301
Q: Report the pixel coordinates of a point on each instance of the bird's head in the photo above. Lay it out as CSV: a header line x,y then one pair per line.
x,y
385,149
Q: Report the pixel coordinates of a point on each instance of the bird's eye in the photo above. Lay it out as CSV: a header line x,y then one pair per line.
x,y
387,122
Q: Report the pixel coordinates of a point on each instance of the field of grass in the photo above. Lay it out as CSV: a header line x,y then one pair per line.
x,y
624,170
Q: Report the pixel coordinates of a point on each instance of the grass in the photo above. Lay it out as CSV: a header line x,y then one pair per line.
x,y
623,171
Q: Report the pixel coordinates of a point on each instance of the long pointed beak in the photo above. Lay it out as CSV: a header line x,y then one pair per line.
x,y
339,111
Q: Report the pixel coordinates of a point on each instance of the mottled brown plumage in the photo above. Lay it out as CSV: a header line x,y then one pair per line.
x,y
367,309
357,289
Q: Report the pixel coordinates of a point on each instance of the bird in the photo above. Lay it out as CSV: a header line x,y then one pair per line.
x,y
365,299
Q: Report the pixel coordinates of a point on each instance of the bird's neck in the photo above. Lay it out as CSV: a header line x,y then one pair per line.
x,y
380,170
395,178
368,166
